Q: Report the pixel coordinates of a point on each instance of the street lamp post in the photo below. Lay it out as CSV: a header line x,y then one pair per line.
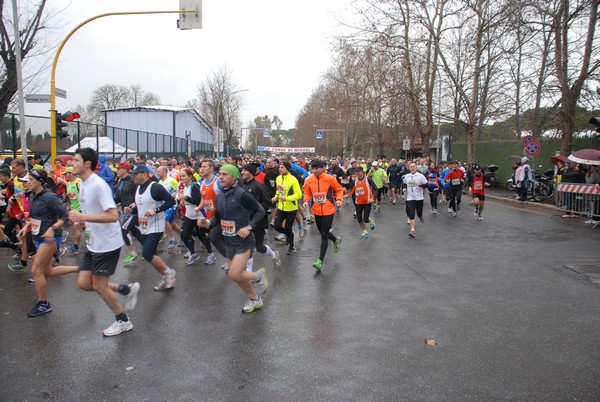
x,y
219,139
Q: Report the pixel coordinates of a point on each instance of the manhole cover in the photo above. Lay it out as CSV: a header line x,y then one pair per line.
x,y
584,269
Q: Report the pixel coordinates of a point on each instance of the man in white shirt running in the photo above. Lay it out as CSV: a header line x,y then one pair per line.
x,y
103,240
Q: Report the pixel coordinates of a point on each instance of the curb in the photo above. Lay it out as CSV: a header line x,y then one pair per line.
x,y
522,204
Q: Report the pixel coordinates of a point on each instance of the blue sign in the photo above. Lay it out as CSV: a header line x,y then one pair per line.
x,y
260,148
266,133
319,134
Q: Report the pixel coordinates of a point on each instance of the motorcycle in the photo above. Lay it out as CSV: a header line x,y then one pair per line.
x,y
538,189
490,173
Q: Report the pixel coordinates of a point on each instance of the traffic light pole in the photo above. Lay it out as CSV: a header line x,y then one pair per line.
x,y
57,55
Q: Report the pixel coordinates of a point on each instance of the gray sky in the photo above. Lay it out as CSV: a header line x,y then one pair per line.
x,y
278,49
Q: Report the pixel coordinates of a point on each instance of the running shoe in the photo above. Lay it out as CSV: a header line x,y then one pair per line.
x,y
39,309
458,206
171,244
187,254
129,258
422,219
364,234
449,210
118,327
372,223
181,244
73,250
263,285
300,232
291,250
65,235
61,253
411,234
337,244
455,214
475,212
131,298
210,259
252,305
166,282
310,220
192,258
317,264
281,237
225,267
435,211
354,215
480,218
394,202
276,260
17,267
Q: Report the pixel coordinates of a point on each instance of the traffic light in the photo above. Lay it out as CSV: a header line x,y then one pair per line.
x,y
60,124
596,122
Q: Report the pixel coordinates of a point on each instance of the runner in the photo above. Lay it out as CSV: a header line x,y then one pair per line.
x,y
286,198
151,200
433,178
238,213
414,183
102,235
72,184
363,189
261,194
190,198
171,185
392,177
455,177
321,188
478,183
125,196
47,217
379,177
210,187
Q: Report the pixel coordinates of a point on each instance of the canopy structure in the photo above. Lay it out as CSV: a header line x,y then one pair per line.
x,y
103,145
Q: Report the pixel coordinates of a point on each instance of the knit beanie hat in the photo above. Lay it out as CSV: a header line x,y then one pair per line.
x,y
232,170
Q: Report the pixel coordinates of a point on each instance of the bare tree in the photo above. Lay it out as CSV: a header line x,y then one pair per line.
x,y
113,96
32,24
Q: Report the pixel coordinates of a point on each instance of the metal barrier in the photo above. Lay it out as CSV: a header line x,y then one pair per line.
x,y
574,200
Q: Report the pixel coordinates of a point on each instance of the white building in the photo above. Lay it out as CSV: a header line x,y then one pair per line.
x,y
160,129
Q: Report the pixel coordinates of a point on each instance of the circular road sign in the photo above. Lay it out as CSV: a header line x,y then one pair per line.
x,y
532,148
527,139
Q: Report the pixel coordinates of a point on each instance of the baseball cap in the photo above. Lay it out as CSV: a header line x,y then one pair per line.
x,y
70,169
476,166
140,168
124,165
375,163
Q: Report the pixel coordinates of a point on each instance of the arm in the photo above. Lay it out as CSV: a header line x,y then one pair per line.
x,y
257,212
159,193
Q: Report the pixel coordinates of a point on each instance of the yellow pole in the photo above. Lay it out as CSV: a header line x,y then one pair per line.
x,y
55,62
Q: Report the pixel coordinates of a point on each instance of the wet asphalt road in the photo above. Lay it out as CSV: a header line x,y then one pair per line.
x,y
510,322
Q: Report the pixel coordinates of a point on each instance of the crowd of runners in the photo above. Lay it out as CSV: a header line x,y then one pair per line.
x,y
228,204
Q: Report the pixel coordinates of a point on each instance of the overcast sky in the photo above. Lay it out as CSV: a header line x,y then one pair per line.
x,y
278,49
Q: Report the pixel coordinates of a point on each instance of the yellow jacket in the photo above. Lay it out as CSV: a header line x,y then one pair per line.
x,y
287,186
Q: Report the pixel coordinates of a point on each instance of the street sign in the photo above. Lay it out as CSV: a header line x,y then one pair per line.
x,y
527,139
319,134
406,144
190,20
37,98
532,148
266,133
61,93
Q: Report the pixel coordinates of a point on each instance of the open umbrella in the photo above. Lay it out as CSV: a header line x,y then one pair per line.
x,y
557,158
586,156
514,158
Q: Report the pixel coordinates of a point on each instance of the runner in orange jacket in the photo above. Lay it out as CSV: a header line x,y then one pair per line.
x,y
326,194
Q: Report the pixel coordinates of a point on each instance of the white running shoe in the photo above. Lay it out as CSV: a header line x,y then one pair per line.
x,y
118,327
449,210
166,282
252,305
210,259
276,260
131,298
187,255
192,258
263,285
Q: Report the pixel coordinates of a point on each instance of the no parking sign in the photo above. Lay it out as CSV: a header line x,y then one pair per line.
x,y
532,147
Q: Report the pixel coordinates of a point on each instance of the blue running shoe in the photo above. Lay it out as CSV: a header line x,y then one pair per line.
x,y
39,309
372,223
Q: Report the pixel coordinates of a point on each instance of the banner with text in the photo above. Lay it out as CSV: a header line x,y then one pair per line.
x,y
287,150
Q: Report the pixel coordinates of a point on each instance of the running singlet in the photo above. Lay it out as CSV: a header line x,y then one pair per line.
x,y
209,191
145,202
478,186
363,191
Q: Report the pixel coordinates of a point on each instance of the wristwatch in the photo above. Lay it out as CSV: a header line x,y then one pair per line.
x,y
249,228
54,228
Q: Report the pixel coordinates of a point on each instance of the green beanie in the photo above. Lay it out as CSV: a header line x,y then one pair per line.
x,y
232,170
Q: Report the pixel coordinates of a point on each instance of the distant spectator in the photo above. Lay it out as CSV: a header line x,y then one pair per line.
x,y
106,173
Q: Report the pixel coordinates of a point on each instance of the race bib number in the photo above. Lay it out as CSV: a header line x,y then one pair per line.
x,y
35,226
88,238
360,191
455,182
280,189
478,185
208,205
228,228
320,198
72,196
143,221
